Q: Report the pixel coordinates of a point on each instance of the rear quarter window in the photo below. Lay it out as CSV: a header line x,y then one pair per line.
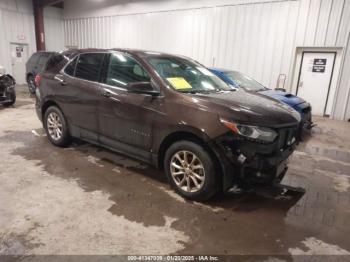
x,y
55,63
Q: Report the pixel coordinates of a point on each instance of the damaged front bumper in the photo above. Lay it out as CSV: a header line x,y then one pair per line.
x,y
7,92
5,99
246,163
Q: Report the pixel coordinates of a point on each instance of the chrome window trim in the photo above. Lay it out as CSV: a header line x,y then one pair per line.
x,y
77,56
113,87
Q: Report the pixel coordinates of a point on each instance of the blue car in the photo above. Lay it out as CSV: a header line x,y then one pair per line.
x,y
239,80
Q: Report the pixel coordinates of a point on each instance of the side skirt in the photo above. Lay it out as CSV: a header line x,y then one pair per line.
x,y
113,145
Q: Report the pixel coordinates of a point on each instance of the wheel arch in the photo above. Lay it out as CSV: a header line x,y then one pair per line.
x,y
46,105
188,136
28,75
65,137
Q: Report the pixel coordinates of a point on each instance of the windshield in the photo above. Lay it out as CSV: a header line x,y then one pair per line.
x,y
244,81
187,76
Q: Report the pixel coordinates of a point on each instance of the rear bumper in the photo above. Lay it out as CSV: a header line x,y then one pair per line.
x,y
38,104
305,111
307,121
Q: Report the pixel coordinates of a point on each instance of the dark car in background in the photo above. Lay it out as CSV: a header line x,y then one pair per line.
x,y
7,90
35,65
168,111
239,80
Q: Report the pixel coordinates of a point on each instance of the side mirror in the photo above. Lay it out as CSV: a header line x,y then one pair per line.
x,y
142,88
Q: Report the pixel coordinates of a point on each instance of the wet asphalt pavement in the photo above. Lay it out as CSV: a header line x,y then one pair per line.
x,y
87,200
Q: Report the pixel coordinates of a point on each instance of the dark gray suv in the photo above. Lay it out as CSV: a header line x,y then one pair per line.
x,y
35,65
171,112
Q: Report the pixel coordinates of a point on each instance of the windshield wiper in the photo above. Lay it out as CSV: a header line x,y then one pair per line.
x,y
195,91
189,91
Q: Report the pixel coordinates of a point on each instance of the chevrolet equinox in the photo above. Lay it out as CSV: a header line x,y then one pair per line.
x,y
168,111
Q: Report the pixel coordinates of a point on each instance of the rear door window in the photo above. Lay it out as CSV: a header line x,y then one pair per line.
x,y
54,62
89,66
123,70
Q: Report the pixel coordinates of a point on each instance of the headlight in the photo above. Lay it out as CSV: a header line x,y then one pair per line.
x,y
262,134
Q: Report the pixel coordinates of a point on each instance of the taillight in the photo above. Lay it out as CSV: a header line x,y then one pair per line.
x,y
37,80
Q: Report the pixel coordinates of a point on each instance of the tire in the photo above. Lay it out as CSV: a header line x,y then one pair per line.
x,y
12,102
31,84
56,127
180,178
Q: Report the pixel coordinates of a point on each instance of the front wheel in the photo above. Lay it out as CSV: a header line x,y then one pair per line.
x,y
191,171
56,127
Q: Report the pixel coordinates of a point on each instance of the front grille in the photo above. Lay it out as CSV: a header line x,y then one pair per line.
x,y
287,137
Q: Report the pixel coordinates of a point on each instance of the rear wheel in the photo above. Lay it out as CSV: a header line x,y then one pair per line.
x,y
31,84
56,127
191,170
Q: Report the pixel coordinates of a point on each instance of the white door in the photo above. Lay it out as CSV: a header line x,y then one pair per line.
x,y
19,57
315,79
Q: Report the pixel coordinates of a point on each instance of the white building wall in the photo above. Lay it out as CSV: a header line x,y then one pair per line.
x,y
17,26
97,8
257,37
226,36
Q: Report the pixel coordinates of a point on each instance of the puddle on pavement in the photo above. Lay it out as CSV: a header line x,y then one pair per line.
x,y
343,156
19,103
247,223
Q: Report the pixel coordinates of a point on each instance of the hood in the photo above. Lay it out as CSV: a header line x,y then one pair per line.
x,y
285,97
249,108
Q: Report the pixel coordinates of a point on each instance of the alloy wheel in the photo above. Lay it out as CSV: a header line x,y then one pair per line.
x,y
187,171
32,84
54,126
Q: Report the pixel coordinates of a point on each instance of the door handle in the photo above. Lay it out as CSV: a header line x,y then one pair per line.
x,y
60,80
106,93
